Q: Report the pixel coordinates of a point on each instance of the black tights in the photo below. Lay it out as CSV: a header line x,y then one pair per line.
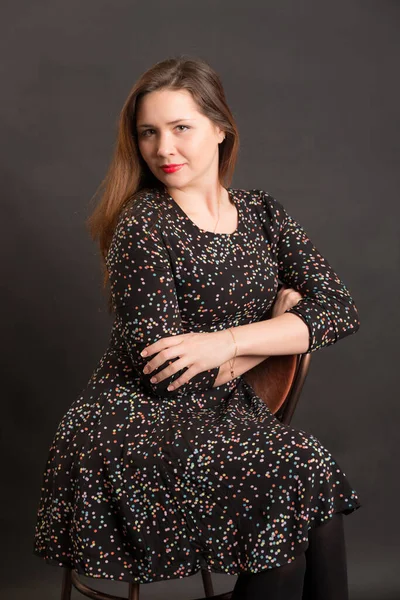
x,y
320,573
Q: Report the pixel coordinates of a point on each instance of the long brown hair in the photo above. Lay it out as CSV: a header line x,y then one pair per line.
x,y
128,174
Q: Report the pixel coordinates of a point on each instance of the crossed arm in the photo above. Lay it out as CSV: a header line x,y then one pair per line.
x,y
289,337
144,297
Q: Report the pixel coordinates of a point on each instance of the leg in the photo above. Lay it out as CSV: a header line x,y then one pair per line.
x,y
280,583
326,572
240,586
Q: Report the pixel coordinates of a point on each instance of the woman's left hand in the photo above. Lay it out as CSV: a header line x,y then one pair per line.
x,y
286,298
196,351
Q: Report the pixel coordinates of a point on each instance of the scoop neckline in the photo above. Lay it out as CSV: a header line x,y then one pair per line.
x,y
180,211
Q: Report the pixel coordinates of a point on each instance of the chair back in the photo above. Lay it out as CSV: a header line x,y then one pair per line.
x,y
278,381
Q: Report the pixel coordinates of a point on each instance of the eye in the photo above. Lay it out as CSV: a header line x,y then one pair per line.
x,y
146,131
143,134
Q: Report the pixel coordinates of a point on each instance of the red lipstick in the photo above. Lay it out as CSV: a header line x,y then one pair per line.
x,y
171,168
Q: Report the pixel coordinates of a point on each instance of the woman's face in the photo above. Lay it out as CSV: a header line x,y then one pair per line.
x,y
171,130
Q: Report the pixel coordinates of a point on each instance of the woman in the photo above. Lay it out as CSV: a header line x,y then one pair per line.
x,y
168,461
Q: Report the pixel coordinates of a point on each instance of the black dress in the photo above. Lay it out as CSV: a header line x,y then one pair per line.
x,y
145,484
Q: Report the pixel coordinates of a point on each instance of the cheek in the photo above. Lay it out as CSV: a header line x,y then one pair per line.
x,y
142,148
145,151
198,148
207,146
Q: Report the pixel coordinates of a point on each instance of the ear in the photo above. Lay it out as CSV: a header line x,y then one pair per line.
x,y
221,136
220,133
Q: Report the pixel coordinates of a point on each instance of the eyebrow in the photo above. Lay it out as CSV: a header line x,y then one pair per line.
x,y
170,123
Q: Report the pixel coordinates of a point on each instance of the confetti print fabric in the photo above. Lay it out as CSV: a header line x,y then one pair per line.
x,y
145,484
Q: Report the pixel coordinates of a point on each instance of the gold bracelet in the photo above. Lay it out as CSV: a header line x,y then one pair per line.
x,y
233,361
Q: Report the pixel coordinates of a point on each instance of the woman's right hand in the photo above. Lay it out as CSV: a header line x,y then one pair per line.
x,y
286,298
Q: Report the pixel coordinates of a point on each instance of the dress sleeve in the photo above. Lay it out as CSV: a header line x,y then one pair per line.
x,y
326,306
144,297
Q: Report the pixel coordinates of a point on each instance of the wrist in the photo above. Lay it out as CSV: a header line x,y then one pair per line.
x,y
223,375
232,361
242,348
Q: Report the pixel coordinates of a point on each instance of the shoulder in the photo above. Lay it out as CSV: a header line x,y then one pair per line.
x,y
138,225
269,210
141,212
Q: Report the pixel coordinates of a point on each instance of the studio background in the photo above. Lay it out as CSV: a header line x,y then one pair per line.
x,y
314,88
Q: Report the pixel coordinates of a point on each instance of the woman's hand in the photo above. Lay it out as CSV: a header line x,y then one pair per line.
x,y
286,298
202,351
196,351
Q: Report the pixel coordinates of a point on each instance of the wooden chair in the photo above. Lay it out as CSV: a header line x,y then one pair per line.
x,y
278,381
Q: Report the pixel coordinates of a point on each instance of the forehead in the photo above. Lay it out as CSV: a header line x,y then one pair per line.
x,y
166,105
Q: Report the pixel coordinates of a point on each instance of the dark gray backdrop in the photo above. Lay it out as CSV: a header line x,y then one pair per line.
x,y
314,87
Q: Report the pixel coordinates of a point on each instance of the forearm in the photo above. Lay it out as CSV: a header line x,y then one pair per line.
x,y
285,334
241,365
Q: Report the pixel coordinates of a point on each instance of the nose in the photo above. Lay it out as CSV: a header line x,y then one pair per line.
x,y
164,145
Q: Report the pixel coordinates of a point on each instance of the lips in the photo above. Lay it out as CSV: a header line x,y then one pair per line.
x,y
171,168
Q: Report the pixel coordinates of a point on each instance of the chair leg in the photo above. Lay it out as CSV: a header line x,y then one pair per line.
x,y
134,591
207,583
66,584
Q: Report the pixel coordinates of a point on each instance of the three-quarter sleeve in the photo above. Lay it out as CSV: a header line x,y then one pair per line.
x,y
144,297
326,306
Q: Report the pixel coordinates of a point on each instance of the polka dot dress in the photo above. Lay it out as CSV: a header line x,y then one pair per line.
x,y
145,484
